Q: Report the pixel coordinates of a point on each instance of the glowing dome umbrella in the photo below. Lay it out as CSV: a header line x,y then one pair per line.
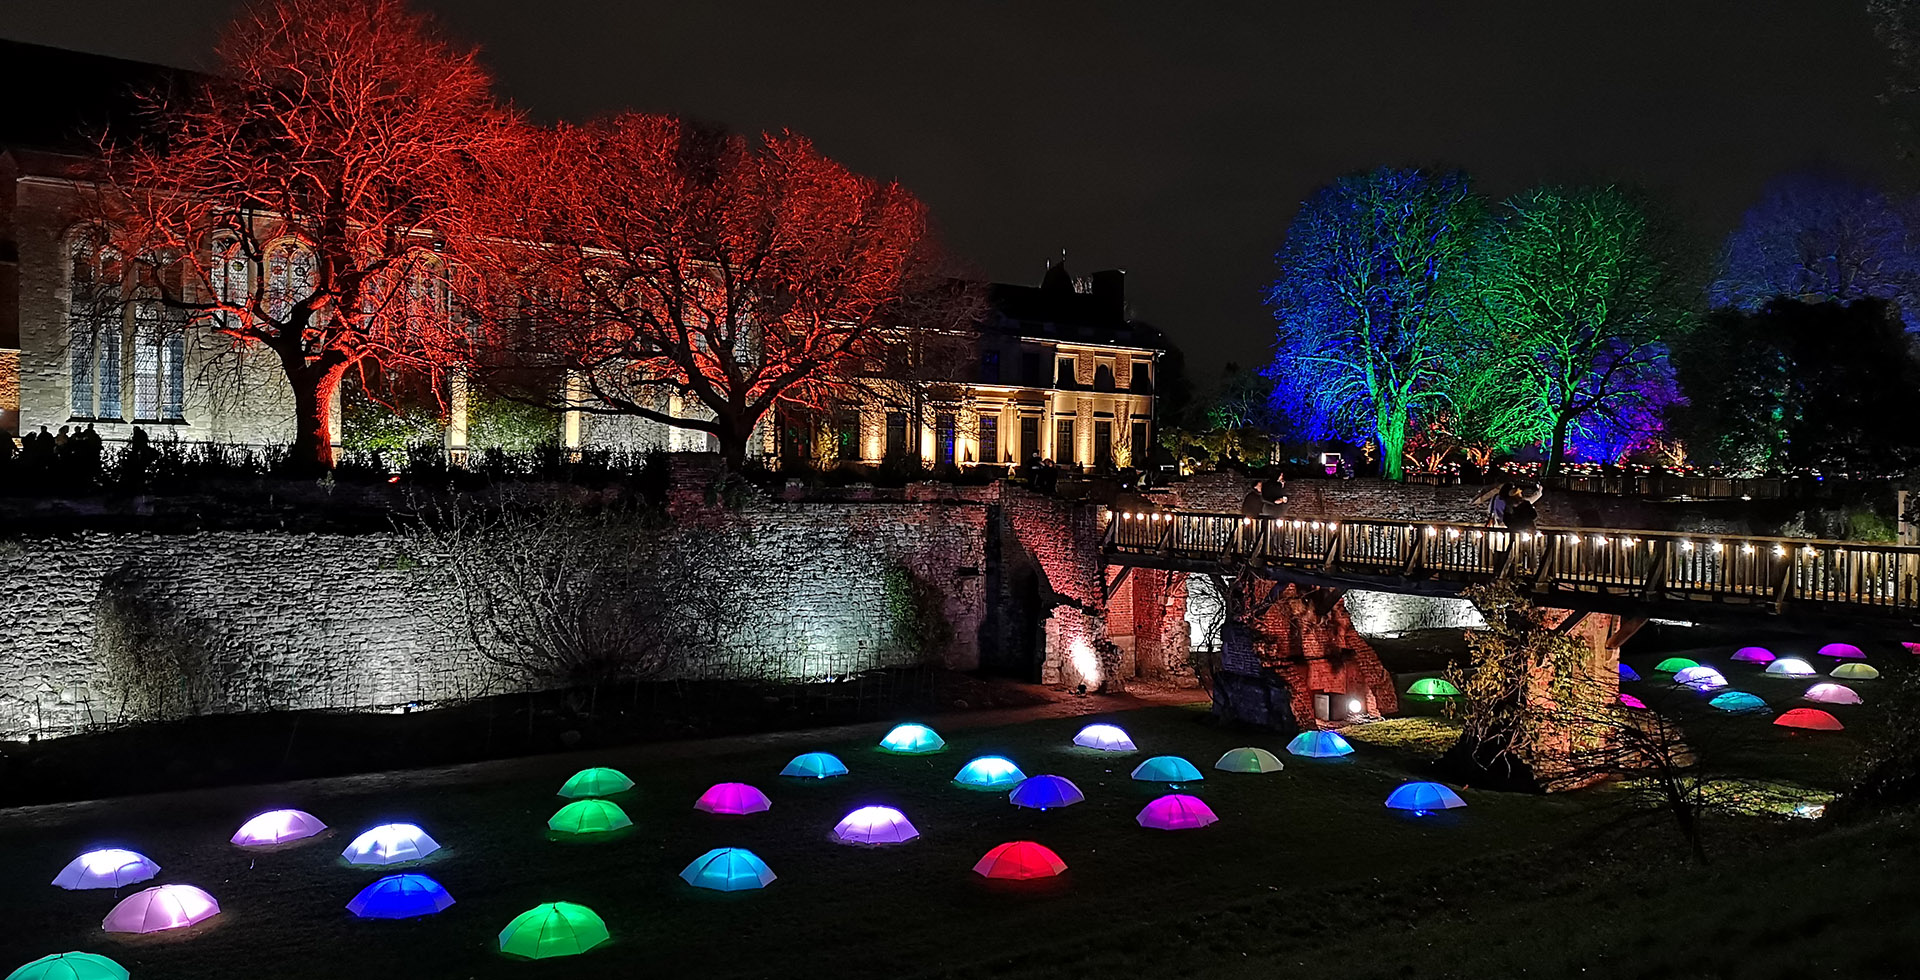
x,y
1020,860
815,765
1176,813
588,817
876,825
70,966
1753,655
1167,769
1046,792
1856,672
160,908
553,929
1673,665
1738,702
277,827
1628,674
1633,702
400,897
1319,744
1106,738
1812,719
1832,694
1700,678
1249,759
1423,798
595,782
1791,667
733,798
1843,651
728,869
912,740
1432,689
110,867
989,772
390,843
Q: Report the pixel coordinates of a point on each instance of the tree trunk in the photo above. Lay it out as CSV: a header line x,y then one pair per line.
x,y
1557,452
1392,432
313,388
733,445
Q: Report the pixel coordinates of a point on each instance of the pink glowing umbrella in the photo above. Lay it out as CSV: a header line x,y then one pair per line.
x,y
733,798
1176,812
1753,655
875,825
1633,702
1832,694
110,867
1913,648
1844,651
277,827
164,907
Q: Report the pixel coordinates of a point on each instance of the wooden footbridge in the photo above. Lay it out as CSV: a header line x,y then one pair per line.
x,y
1641,573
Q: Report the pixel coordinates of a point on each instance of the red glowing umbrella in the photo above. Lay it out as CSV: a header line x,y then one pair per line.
x,y
1020,860
1809,718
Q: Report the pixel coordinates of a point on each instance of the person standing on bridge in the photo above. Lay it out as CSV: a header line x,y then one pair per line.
x,y
1521,513
1494,500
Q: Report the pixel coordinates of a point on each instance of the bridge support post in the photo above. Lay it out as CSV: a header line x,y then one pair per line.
x,y
1291,659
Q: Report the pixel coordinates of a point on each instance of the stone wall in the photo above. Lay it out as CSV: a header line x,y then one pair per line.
x,y
290,621
1310,647
1392,614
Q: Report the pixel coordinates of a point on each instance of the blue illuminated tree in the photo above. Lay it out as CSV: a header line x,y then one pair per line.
x,y
1369,301
1820,239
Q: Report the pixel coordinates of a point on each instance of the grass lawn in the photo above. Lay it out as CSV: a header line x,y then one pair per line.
x,y
836,910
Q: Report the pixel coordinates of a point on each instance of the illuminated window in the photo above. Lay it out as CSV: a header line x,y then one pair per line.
x,y
291,266
94,328
159,346
1063,441
989,438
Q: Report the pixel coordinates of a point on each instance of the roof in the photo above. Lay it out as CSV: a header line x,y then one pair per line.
x,y
64,101
1060,309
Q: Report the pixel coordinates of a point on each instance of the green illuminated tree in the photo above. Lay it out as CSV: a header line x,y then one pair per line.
x,y
1373,282
1582,290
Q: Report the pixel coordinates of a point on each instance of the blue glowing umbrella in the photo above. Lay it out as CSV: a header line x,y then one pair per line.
x,y
406,896
1423,798
1046,792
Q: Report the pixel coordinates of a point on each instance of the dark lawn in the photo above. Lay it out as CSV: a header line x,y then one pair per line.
x,y
836,910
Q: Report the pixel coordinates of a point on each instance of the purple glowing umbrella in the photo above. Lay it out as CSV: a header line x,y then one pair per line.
x,y
734,799
277,827
1843,651
1633,702
1176,812
876,825
1753,655
110,867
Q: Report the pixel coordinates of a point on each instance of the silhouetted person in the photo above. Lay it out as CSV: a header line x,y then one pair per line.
x,y
1521,513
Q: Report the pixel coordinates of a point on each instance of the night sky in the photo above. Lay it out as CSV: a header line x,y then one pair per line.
x,y
1175,140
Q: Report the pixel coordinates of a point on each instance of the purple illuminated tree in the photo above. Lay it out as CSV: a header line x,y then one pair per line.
x,y
1373,281
1819,239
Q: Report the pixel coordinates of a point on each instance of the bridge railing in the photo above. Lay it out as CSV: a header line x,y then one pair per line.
x,y
1645,564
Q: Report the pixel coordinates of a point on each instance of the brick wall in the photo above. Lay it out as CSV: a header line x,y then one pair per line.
x,y
1313,648
336,620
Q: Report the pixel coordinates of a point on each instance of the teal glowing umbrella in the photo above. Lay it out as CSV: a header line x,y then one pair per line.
x,y
70,966
1433,689
596,782
1319,744
1167,769
588,817
1738,702
553,929
912,740
815,765
989,772
728,869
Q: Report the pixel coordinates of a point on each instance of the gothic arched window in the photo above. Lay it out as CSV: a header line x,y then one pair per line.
x,y
95,327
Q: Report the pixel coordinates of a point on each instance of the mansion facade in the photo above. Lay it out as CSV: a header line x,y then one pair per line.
x,y
1056,371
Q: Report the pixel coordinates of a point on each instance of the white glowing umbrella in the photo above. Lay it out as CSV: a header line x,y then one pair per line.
x,y
277,827
110,867
390,843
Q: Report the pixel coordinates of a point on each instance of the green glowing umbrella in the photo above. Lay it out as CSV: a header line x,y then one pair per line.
x,y
553,929
1674,665
596,782
1433,688
70,966
588,817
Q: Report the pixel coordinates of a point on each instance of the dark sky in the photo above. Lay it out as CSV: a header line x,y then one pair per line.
x,y
1175,139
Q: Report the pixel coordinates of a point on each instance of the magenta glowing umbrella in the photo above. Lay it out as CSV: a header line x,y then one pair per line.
x,y
1633,702
1753,655
1843,651
1176,812
1913,648
277,827
876,825
733,798
161,908
1832,694
110,867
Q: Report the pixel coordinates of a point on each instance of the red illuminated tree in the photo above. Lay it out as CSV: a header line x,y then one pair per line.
x,y
308,189
670,259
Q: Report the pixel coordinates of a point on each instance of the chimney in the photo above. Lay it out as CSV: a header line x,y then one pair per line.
x,y
1110,288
